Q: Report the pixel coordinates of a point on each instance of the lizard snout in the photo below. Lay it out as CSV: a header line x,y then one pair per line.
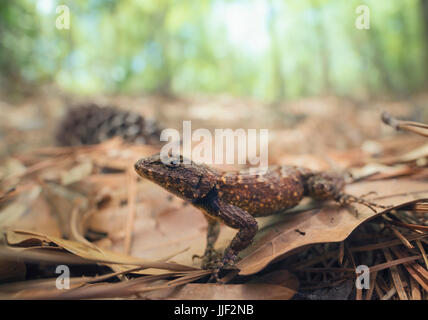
x,y
138,165
144,165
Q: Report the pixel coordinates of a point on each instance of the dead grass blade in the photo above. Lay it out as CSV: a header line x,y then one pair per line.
x,y
415,127
99,255
415,270
395,277
131,214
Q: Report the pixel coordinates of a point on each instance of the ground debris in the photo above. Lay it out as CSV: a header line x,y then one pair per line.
x,y
124,237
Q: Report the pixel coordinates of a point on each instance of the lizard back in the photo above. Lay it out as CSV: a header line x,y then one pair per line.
x,y
280,188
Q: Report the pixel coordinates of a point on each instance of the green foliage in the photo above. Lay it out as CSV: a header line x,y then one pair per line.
x,y
18,32
268,49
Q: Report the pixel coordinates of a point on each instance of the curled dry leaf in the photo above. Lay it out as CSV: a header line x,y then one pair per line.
x,y
115,260
287,232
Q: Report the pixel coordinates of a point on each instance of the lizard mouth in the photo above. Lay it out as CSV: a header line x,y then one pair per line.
x,y
154,168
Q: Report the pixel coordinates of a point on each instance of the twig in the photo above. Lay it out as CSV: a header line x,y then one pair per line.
x,y
373,280
422,250
415,127
131,212
389,294
401,237
414,269
396,277
416,293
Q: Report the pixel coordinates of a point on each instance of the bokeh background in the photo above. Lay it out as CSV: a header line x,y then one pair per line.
x,y
261,56
299,68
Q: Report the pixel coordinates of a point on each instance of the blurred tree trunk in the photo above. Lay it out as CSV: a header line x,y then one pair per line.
x,y
359,43
158,36
12,58
162,37
10,75
277,73
324,52
325,63
424,11
408,78
379,58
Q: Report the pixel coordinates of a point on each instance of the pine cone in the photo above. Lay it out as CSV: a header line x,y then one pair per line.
x,y
91,124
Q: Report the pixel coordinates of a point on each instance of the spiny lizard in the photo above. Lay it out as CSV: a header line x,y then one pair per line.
x,y
236,198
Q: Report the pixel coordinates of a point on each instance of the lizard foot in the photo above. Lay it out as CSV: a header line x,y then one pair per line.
x,y
210,259
214,276
227,263
346,199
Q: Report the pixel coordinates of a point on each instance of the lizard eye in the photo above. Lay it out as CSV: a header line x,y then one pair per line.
x,y
174,162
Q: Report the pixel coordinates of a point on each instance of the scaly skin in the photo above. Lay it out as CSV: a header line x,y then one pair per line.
x,y
236,198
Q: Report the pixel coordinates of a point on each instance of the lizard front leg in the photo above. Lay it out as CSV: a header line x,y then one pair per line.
x,y
233,217
237,218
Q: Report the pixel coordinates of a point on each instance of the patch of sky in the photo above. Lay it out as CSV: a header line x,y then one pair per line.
x,y
245,23
138,62
153,51
46,7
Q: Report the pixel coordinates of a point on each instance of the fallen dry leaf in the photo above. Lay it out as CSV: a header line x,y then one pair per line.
x,y
279,277
115,260
77,173
212,291
12,269
286,232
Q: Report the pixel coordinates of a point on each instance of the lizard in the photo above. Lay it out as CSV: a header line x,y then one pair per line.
x,y
237,198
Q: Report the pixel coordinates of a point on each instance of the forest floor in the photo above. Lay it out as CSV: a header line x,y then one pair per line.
x,y
119,227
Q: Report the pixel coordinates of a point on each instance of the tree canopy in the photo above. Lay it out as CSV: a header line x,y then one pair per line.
x,y
267,49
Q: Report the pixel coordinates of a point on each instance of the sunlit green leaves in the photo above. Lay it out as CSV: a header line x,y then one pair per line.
x,y
268,49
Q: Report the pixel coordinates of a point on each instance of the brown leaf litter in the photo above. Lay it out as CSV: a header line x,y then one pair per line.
x,y
85,206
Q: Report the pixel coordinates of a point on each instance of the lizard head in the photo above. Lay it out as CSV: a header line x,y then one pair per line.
x,y
325,186
185,179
